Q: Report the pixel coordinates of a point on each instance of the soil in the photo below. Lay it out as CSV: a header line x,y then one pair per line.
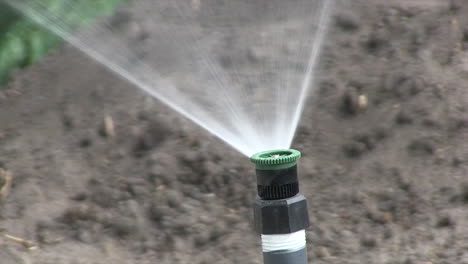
x,y
103,173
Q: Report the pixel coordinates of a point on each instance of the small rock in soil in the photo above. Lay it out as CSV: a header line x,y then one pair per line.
x,y
363,102
6,180
108,128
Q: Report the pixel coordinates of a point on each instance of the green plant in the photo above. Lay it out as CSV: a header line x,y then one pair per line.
x,y
23,42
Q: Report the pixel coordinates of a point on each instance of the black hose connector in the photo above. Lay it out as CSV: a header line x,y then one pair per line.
x,y
283,216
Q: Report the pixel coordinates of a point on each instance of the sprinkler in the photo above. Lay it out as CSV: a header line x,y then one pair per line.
x,y
280,211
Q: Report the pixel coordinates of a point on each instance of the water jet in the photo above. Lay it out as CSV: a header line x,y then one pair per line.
x,y
197,58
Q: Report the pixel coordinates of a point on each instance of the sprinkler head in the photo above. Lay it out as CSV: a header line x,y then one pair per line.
x,y
280,212
276,173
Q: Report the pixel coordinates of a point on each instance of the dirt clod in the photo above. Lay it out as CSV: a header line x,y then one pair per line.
x,y
375,42
354,149
403,118
79,213
464,193
352,102
322,252
347,22
85,143
421,147
445,221
369,241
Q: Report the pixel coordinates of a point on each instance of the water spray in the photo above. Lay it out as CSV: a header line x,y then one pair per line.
x,y
204,60
280,211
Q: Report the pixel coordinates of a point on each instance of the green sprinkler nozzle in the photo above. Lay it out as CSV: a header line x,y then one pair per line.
x,y
277,173
276,159
280,212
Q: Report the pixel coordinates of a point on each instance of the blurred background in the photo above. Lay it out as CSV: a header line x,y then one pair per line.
x,y
95,171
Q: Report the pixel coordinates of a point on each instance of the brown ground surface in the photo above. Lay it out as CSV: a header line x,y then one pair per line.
x,y
386,184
